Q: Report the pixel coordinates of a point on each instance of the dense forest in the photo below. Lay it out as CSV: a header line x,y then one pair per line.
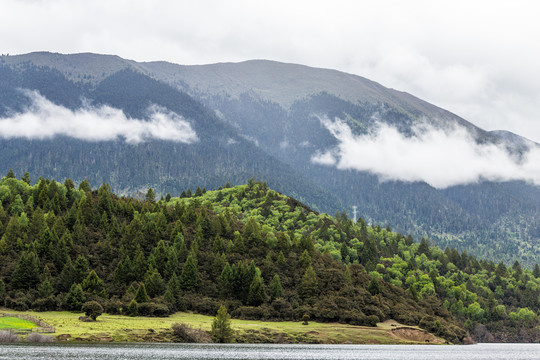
x,y
261,254
244,136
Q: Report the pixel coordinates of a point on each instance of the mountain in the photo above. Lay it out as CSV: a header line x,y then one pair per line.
x,y
265,119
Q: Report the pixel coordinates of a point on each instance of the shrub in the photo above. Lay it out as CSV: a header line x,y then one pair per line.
x,y
133,309
146,308
8,337
186,333
92,309
161,310
372,320
45,304
38,338
16,304
114,307
353,317
206,305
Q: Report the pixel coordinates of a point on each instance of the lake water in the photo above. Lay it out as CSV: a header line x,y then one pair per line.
x,y
278,352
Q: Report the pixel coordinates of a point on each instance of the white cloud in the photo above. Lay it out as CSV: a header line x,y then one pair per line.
x,y
441,158
44,119
478,59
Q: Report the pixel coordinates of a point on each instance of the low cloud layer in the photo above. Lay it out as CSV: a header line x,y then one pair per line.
x,y
44,120
441,158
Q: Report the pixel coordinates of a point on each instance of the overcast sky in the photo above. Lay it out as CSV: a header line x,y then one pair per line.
x,y
478,59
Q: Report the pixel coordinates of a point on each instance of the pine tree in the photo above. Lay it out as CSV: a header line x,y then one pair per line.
x,y
85,186
189,278
309,287
536,271
141,296
256,295
66,277
155,285
75,298
93,285
225,281
222,331
26,273
81,269
150,196
45,289
423,248
26,178
275,287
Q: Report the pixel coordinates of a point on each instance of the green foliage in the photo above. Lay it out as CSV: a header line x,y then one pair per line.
x,y
222,331
2,292
195,253
93,285
26,274
189,278
141,296
309,285
276,289
75,298
92,309
132,309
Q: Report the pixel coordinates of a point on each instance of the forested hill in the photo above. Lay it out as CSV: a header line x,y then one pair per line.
x,y
260,119
264,255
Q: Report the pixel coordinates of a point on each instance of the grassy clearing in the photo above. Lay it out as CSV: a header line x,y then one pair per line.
x,y
15,323
124,328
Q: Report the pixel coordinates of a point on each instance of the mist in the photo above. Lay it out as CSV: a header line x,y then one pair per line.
x,y
441,158
44,120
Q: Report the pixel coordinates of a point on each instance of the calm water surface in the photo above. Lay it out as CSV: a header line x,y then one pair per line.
x,y
278,352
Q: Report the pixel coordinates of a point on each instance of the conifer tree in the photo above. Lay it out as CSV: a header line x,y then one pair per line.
x,y
26,178
189,278
66,277
536,271
139,265
276,289
222,331
141,296
309,287
256,295
225,281
75,298
150,196
26,273
93,285
81,269
155,285
45,289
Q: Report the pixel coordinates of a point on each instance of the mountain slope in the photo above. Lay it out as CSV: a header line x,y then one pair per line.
x,y
220,155
273,111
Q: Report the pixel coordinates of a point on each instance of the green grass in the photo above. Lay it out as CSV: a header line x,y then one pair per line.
x,y
125,328
15,323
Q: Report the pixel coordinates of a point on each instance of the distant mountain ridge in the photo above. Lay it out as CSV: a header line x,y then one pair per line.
x,y
267,107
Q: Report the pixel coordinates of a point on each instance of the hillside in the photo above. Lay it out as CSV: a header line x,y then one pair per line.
x,y
264,255
262,119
